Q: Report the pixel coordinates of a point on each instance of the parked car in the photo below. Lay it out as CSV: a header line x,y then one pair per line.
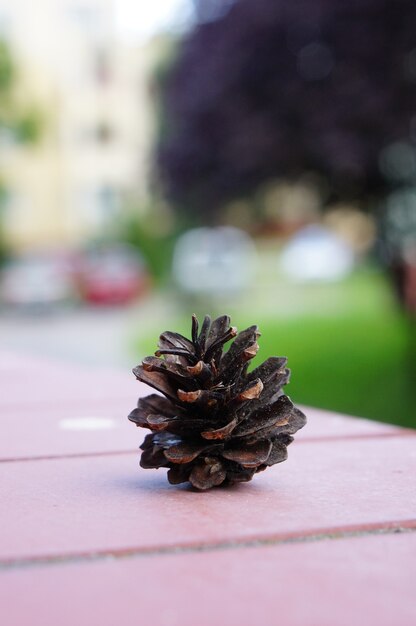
x,y
214,261
37,281
316,253
111,274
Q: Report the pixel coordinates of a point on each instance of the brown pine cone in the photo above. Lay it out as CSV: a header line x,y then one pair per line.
x,y
218,423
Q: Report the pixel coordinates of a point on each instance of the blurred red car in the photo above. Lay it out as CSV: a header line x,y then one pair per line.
x,y
111,274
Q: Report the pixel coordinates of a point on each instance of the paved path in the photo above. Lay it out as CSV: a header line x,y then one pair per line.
x,y
93,336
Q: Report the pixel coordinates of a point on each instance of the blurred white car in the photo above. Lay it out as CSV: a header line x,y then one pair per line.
x,y
212,261
36,281
315,253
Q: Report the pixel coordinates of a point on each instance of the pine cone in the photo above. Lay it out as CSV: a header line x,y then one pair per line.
x,y
218,423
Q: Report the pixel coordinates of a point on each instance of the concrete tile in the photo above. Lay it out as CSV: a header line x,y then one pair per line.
x,y
89,504
365,581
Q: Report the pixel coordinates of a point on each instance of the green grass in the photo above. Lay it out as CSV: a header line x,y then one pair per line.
x,y
351,365
347,344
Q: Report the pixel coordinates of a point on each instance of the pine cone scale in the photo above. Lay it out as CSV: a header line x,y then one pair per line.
x,y
176,372
278,453
169,340
156,404
252,455
220,433
184,453
157,380
271,367
203,476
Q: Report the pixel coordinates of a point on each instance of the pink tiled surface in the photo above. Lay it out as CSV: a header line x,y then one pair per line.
x,y
44,405
327,424
356,581
39,383
83,528
93,426
80,428
95,503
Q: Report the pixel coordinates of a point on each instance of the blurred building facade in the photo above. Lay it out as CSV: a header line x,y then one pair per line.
x,y
93,93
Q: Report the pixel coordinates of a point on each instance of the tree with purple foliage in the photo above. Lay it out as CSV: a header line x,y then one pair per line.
x,y
274,88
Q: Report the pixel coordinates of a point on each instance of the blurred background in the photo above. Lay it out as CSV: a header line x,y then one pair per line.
x,y
178,156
